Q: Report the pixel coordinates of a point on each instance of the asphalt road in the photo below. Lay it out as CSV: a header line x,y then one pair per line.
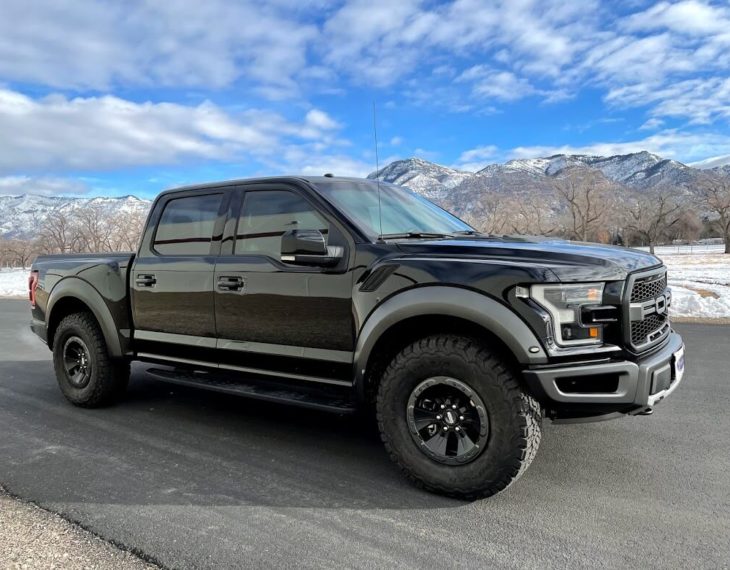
x,y
199,480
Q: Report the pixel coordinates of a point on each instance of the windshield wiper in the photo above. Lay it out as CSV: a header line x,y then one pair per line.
x,y
415,235
468,233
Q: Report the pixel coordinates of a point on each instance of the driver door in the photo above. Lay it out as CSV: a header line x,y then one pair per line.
x,y
274,315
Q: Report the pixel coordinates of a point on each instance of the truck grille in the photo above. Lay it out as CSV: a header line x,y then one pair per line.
x,y
641,330
647,309
648,288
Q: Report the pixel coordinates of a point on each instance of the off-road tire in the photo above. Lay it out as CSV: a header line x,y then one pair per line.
x,y
515,417
108,377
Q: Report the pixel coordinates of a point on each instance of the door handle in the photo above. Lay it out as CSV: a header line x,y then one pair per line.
x,y
230,283
145,280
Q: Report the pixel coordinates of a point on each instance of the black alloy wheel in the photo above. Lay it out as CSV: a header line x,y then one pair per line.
x,y
448,420
77,362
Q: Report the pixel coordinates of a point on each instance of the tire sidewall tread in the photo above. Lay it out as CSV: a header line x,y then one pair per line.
x,y
515,417
109,377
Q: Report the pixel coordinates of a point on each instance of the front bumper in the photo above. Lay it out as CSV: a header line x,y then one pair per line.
x,y
623,386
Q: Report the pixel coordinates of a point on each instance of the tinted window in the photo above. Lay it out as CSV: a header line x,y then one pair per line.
x,y
266,215
186,225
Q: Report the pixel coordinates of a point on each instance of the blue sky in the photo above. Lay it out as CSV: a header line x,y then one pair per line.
x,y
133,97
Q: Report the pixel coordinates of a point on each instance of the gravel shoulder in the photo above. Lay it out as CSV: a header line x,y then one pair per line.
x,y
31,537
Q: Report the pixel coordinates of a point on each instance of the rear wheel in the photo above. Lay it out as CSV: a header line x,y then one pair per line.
x,y
455,418
86,374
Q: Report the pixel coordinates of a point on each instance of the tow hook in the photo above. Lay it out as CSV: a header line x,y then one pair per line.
x,y
647,412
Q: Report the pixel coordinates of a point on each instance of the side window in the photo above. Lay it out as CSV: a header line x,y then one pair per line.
x,y
267,214
186,225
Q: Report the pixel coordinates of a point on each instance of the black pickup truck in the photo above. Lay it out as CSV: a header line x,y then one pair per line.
x,y
344,294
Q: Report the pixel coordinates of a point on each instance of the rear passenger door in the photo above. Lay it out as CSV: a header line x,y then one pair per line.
x,y
172,291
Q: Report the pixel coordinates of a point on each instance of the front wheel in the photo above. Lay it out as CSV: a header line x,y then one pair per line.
x,y
86,374
455,418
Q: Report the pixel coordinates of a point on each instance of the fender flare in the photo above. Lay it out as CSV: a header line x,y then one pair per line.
x,y
453,302
76,288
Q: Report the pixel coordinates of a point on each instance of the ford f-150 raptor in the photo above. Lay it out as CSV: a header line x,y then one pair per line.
x,y
345,294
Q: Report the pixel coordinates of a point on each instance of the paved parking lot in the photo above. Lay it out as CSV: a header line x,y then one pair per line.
x,y
195,479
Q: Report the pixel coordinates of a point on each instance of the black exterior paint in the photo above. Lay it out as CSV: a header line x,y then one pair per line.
x,y
315,323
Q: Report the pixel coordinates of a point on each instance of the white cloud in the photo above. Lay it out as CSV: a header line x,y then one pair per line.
x,y
97,133
321,120
476,158
44,185
98,44
688,17
339,165
284,48
684,147
712,162
651,124
396,141
495,84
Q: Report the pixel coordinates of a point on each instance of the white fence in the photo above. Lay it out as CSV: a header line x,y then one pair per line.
x,y
686,249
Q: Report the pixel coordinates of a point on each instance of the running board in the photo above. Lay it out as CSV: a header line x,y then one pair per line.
x,y
259,389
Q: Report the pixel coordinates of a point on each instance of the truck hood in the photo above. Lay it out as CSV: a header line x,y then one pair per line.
x,y
569,261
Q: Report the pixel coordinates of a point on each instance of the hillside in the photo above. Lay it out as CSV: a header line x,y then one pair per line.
x,y
526,180
531,181
21,215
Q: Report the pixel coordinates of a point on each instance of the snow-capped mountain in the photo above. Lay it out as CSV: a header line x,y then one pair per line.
x,y
532,180
426,178
637,171
20,216
529,180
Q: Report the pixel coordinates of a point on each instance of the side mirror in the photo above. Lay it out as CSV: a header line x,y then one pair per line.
x,y
308,247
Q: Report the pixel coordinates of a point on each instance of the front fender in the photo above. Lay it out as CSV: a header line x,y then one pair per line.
x,y
452,302
77,288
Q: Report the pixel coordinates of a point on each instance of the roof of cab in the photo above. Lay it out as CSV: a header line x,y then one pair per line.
x,y
240,181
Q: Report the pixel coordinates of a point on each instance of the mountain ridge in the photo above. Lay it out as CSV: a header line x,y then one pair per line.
x,y
459,190
20,214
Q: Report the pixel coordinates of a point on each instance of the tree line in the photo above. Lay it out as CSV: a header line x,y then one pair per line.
x,y
81,229
582,204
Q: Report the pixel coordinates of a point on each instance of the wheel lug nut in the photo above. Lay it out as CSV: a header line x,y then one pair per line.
x,y
438,417
442,406
461,418
453,406
446,428
457,428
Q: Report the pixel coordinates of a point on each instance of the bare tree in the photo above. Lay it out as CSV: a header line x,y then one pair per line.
x,y
93,227
22,252
651,215
688,227
490,214
715,193
530,217
585,193
126,229
58,233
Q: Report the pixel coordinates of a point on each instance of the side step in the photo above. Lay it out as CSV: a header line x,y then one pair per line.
x,y
338,402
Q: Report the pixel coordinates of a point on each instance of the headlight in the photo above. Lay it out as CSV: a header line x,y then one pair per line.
x,y
564,303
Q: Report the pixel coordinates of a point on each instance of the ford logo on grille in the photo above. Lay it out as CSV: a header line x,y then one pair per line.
x,y
657,306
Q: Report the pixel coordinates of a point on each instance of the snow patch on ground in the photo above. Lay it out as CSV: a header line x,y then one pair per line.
x,y
13,282
700,284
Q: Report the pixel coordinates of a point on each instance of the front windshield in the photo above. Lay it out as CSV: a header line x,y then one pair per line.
x,y
403,211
